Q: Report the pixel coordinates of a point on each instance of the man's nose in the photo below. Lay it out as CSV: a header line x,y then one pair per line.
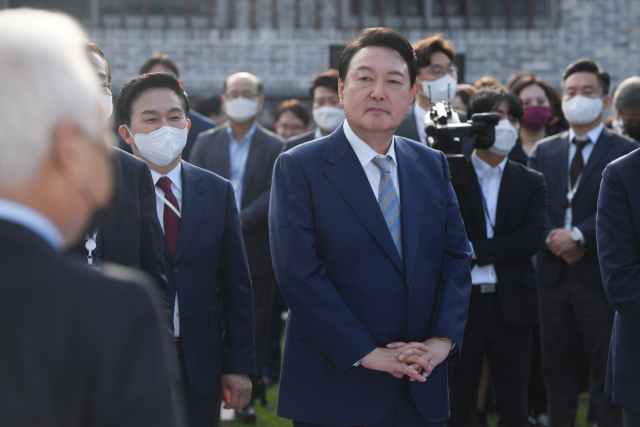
x,y
378,90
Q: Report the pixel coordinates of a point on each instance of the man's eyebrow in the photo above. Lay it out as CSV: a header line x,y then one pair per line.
x,y
176,110
149,112
396,73
364,68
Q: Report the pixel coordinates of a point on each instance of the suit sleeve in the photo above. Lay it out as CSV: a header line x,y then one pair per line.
x,y
534,163
236,295
618,248
311,296
151,253
454,289
525,241
255,214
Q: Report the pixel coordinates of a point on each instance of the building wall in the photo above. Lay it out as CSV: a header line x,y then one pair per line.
x,y
287,58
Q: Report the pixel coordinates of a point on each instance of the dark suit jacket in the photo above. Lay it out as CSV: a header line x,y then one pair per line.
x,y
551,157
80,349
520,225
211,152
211,276
618,233
408,129
348,290
300,139
199,124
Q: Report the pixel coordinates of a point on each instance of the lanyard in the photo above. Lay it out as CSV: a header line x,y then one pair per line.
x,y
486,209
91,246
168,203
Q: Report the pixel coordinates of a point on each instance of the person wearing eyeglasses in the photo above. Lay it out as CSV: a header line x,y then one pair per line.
x,y
436,81
292,119
244,152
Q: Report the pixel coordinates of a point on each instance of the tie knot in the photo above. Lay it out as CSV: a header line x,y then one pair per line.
x,y
581,144
165,184
382,163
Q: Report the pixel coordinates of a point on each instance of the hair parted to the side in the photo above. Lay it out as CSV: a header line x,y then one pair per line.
x,y
627,95
46,79
379,37
487,100
586,65
426,48
327,79
91,46
297,108
160,59
132,90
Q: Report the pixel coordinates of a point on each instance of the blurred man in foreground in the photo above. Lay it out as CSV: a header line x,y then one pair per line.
x,y
80,349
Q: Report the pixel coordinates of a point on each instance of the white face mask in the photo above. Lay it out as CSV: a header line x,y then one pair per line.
x,y
107,106
442,89
506,137
328,118
581,110
240,109
162,146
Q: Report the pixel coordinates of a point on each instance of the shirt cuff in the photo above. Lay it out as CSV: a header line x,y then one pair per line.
x,y
577,230
357,364
473,252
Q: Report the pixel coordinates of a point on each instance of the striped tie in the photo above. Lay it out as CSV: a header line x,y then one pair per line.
x,y
388,201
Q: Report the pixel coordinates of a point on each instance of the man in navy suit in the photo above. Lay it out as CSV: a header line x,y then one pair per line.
x,y
574,309
503,206
371,256
618,234
204,253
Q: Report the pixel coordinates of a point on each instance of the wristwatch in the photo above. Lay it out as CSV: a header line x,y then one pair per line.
x,y
575,236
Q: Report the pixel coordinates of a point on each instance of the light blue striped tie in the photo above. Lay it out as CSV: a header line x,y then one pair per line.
x,y
388,201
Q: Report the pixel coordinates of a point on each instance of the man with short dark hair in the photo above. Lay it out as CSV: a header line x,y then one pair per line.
x,y
158,63
626,101
503,206
292,119
328,113
371,257
573,306
203,252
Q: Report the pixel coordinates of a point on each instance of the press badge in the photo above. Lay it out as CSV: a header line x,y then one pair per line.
x,y
568,213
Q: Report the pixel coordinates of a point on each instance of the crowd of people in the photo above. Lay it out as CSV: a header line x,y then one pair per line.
x,y
147,277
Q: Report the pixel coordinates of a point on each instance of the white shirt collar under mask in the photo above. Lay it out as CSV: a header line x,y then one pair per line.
x,y
162,146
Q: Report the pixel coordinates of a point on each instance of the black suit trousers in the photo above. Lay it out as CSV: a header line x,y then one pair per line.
x,y
202,411
264,287
508,349
575,313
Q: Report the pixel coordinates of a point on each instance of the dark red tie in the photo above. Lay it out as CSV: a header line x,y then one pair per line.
x,y
171,220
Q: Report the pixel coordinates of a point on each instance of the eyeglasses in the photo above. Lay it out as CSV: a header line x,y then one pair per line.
x,y
246,94
293,128
440,71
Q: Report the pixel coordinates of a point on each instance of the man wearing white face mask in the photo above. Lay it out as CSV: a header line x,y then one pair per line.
x,y
328,113
244,152
209,282
574,308
503,206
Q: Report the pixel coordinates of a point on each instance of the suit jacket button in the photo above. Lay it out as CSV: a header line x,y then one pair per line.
x,y
404,328
176,270
410,284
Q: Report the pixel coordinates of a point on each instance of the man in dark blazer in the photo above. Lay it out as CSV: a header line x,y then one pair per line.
x,y
328,113
245,152
503,206
574,308
203,251
371,257
80,349
617,230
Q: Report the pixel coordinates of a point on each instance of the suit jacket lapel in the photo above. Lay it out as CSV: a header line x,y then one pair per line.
x,y
561,156
474,198
192,205
599,150
348,177
508,187
110,231
413,192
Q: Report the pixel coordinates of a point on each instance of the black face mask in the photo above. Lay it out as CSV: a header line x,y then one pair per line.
x,y
633,131
101,216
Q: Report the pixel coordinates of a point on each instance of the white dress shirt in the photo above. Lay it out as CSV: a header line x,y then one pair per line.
x,y
32,219
489,179
366,154
176,188
318,134
420,114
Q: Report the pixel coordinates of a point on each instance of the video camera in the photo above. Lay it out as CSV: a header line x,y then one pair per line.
x,y
447,137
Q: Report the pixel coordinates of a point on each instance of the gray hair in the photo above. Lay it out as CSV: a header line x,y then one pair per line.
x,y
45,80
627,95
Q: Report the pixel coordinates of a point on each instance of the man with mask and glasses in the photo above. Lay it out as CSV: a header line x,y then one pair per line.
x,y
574,310
503,206
626,101
80,349
244,152
203,251
328,113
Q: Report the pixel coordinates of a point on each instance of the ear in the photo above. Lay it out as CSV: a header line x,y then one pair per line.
x,y
67,152
260,102
188,125
606,103
341,91
181,82
277,126
412,95
124,133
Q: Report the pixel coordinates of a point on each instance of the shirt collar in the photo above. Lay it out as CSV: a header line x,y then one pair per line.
x,y
593,134
174,175
247,137
364,152
483,167
33,220
318,133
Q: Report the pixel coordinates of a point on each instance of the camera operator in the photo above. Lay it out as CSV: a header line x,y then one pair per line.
x,y
503,206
